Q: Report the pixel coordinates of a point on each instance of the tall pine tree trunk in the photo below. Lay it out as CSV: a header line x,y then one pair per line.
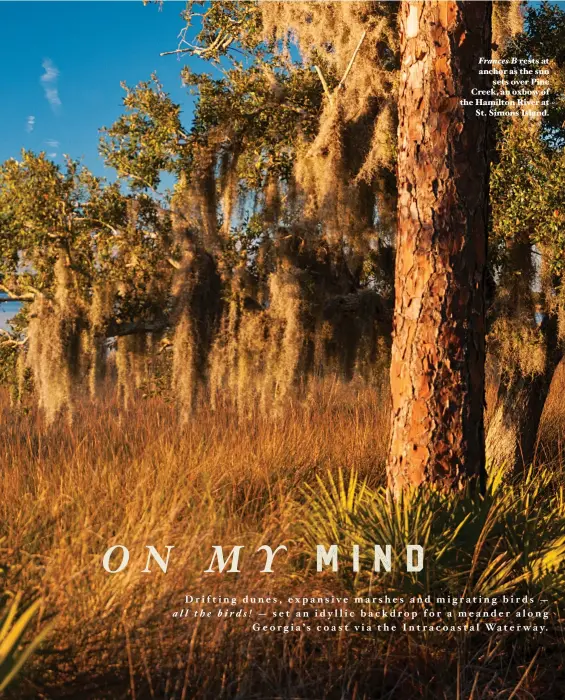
x,y
438,353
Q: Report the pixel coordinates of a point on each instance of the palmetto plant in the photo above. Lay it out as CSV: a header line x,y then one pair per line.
x,y
510,539
12,629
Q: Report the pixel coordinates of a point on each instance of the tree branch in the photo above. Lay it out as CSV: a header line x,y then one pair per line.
x,y
98,221
169,53
10,340
324,84
220,43
330,95
15,297
120,330
149,186
174,263
350,64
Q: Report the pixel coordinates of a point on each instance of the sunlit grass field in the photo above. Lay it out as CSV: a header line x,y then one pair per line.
x,y
314,473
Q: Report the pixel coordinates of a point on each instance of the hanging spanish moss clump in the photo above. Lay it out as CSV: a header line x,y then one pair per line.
x,y
237,362
184,376
130,362
260,352
203,194
507,21
520,346
322,178
273,201
196,293
351,337
224,354
339,174
233,365
558,308
99,313
285,354
228,184
197,312
185,338
122,374
21,376
195,202
54,343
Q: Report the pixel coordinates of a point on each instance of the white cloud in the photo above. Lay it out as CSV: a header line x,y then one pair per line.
x,y
52,143
30,123
49,81
52,155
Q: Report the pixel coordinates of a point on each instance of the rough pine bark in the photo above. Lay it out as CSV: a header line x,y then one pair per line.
x,y
438,353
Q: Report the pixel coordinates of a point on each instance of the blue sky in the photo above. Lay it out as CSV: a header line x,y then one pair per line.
x,y
63,63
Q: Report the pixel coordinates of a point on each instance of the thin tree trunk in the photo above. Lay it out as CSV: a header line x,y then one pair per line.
x,y
438,353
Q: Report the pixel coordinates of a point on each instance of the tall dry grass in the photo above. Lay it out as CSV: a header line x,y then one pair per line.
x,y
140,477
